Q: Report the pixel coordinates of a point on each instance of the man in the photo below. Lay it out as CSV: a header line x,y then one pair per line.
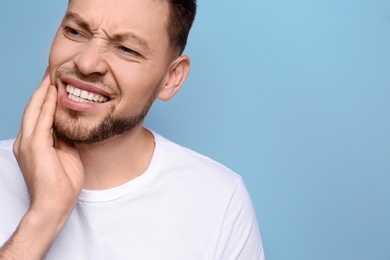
x,y
86,180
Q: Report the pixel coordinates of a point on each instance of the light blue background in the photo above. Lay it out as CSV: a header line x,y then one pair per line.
x,y
292,95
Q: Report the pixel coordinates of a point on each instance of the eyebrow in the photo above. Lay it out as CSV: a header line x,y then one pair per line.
x,y
119,37
131,37
77,19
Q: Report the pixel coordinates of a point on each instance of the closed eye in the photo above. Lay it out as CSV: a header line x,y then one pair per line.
x,y
128,51
71,32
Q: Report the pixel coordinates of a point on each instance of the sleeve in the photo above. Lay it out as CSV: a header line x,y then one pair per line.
x,y
240,235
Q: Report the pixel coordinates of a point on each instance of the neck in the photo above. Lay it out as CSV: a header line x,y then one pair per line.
x,y
117,160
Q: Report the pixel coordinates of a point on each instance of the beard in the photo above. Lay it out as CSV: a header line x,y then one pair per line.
x,y
72,130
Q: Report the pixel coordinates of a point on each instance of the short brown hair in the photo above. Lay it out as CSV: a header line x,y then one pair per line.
x,y
181,17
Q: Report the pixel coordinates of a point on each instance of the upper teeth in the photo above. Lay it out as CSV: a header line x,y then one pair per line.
x,y
84,96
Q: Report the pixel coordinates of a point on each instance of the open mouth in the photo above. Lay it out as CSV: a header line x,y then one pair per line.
x,y
79,95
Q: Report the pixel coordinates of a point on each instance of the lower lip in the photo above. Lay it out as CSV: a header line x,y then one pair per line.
x,y
74,105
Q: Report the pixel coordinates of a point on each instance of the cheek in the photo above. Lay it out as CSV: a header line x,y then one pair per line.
x,y
61,52
136,78
136,84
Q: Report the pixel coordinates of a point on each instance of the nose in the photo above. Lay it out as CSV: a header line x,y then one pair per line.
x,y
90,59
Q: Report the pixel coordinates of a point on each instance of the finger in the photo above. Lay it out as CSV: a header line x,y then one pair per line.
x,y
46,117
18,138
33,108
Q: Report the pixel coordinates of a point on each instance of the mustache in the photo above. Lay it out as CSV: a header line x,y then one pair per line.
x,y
94,78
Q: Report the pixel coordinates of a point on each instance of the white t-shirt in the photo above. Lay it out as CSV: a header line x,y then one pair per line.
x,y
185,206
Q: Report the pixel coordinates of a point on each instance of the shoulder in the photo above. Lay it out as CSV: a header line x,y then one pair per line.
x,y
6,153
11,178
189,162
14,199
197,178
7,158
6,144
9,168
220,194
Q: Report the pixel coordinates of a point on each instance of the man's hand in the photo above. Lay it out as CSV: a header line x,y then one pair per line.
x,y
53,174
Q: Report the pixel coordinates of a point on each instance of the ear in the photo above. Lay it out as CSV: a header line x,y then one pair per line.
x,y
177,74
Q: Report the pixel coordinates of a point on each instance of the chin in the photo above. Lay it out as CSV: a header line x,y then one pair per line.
x,y
72,130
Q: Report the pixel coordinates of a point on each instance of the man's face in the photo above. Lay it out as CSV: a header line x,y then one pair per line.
x,y
108,61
